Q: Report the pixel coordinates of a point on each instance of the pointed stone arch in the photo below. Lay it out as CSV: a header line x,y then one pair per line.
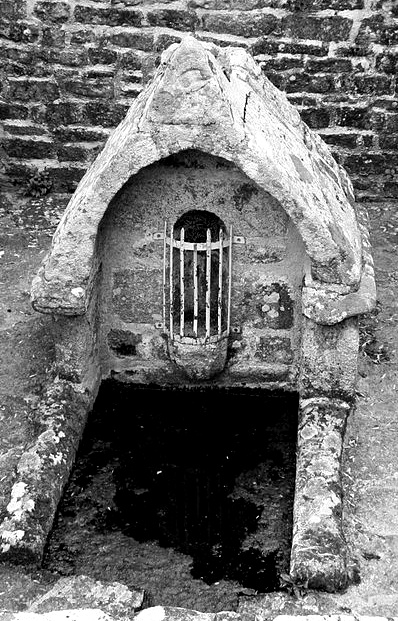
x,y
215,101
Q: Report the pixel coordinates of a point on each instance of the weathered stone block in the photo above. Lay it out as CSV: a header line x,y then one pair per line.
x,y
102,55
274,349
373,84
241,23
341,139
88,87
137,296
319,5
316,118
56,12
53,37
107,16
266,45
23,128
329,359
334,65
199,362
71,57
134,39
13,110
376,29
84,35
387,62
387,103
37,89
180,19
352,116
310,83
79,593
13,9
24,31
105,114
377,119
128,3
78,152
63,113
243,5
318,557
223,40
265,306
328,28
131,59
29,147
283,63
47,56
390,189
80,134
375,163
388,141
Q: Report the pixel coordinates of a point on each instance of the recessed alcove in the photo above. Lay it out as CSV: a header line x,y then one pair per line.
x,y
202,270
207,473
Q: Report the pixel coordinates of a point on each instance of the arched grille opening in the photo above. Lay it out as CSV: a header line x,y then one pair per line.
x,y
197,277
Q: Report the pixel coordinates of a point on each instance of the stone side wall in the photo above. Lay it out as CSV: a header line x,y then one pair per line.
x,y
71,68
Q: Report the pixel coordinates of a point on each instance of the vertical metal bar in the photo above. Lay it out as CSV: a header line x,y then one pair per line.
x,y
182,283
219,299
171,305
164,273
208,281
195,290
229,281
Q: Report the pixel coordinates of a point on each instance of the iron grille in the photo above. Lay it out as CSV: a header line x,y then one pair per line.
x,y
197,285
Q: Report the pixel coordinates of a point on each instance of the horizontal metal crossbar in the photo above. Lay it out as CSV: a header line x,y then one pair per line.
x,y
199,246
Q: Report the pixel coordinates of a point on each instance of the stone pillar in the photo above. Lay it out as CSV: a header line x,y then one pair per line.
x,y
318,557
327,383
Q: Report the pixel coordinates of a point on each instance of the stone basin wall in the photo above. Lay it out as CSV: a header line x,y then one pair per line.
x,y
70,70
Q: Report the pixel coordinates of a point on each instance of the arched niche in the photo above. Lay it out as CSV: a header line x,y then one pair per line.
x,y
268,263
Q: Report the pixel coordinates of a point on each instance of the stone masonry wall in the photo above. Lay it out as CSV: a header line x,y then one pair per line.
x,y
70,69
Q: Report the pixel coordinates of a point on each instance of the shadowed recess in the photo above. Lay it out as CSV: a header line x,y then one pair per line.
x,y
209,473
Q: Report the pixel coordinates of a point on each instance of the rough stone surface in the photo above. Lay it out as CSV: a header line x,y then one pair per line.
x,y
329,359
318,557
42,471
76,592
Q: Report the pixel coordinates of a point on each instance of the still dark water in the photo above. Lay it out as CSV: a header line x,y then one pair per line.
x,y
186,493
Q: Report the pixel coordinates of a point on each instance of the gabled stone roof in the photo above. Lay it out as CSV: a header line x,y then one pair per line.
x,y
217,101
